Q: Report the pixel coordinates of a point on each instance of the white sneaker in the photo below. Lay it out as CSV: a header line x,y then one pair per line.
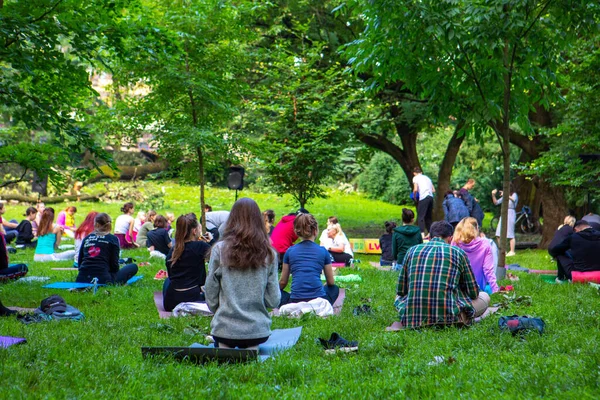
x,y
510,254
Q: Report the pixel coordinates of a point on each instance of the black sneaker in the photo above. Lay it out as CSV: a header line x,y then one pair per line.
x,y
338,343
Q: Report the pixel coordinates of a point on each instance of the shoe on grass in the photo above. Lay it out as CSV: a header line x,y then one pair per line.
x,y
161,275
510,254
338,343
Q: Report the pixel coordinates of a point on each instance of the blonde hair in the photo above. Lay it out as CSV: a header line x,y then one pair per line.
x,y
569,220
466,230
337,227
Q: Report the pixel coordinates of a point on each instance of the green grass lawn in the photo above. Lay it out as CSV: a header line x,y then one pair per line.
x,y
100,357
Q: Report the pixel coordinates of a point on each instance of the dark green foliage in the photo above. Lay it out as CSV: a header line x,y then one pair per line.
x,y
384,180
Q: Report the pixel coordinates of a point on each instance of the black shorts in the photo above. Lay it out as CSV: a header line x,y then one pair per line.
x,y
239,343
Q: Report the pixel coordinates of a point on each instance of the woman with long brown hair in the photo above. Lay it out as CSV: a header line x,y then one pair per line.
x,y
49,237
242,280
185,265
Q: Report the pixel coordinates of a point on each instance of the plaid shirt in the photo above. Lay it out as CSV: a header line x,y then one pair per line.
x,y
435,284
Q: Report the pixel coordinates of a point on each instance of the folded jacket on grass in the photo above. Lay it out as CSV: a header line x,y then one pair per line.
x,y
337,305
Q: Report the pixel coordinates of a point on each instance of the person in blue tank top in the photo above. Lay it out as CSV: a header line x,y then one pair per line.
x,y
306,261
49,237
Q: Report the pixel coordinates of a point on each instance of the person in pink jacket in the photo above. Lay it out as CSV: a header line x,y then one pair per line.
x,y
479,252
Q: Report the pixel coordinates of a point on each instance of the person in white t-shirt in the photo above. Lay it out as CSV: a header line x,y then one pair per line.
x,y
124,227
424,187
338,245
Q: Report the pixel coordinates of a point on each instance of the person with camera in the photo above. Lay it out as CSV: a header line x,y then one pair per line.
x,y
513,200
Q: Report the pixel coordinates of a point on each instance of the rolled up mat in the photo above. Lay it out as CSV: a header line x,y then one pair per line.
x,y
548,278
583,277
7,341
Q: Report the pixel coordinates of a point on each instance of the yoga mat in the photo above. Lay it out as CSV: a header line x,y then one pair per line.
x,y
201,355
64,269
78,285
34,279
487,313
339,302
280,339
583,277
376,265
548,278
543,271
6,341
516,267
397,326
158,302
337,305
338,265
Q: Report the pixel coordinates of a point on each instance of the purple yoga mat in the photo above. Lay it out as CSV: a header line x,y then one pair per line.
x,y
6,341
158,301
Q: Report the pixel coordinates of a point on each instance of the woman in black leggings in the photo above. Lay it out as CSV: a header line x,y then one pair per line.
x,y
185,265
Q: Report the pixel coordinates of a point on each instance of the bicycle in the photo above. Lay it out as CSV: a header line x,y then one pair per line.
x,y
524,221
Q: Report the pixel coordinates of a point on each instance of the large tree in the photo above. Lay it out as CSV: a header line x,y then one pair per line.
x,y
47,48
486,62
180,79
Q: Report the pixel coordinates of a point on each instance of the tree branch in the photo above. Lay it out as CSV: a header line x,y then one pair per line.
x,y
38,19
5,184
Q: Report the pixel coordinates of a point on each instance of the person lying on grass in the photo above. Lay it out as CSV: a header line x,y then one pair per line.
x,y
49,237
185,265
436,286
99,256
306,261
242,280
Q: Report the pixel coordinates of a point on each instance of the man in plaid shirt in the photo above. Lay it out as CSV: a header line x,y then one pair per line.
x,y
436,285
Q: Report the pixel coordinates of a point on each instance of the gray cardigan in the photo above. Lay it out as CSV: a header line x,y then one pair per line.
x,y
239,298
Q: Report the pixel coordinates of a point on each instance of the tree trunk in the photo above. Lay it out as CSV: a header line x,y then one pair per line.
x,y
555,209
51,200
126,173
201,182
445,171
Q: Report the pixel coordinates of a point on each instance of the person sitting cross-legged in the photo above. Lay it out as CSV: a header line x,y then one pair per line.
x,y
436,286
584,247
306,261
99,256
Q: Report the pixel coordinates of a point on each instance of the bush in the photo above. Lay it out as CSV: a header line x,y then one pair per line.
x,y
384,180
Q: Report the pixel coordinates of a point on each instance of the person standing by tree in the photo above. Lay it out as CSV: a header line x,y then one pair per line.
x,y
423,186
471,202
513,200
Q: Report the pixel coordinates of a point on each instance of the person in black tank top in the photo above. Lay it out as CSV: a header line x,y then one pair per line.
x,y
185,265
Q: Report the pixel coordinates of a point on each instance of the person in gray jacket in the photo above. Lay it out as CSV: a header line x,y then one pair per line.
x,y
242,280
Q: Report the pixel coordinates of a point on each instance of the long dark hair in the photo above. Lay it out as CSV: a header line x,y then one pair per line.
x,y
46,221
246,243
183,231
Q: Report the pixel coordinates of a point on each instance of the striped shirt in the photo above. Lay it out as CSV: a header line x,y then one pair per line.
x,y
435,284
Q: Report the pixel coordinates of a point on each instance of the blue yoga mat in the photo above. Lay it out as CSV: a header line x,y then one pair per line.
x,y
78,285
279,340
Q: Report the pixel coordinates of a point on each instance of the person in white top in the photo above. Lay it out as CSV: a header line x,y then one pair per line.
x,y
124,227
337,245
513,200
424,187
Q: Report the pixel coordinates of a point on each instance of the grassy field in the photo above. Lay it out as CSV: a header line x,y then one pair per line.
x,y
100,356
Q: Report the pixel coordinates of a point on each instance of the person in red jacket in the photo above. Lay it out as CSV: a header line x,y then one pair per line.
x,y
284,235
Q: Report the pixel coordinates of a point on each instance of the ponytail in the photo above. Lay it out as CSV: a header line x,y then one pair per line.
x,y
183,230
